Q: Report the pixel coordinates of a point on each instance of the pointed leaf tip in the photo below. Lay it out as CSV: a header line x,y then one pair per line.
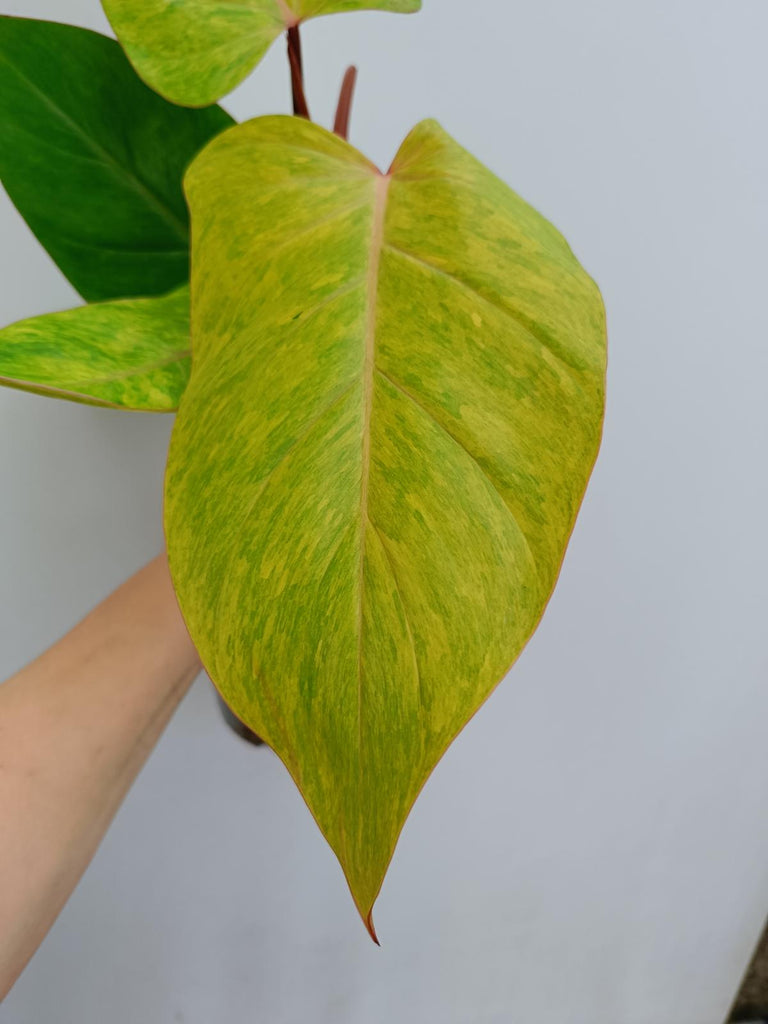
x,y
371,928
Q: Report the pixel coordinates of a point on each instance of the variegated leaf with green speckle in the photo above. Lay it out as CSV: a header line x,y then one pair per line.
x,y
195,51
395,404
127,354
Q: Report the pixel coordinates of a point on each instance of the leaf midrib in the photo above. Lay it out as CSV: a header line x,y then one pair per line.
x,y
138,371
382,183
370,370
141,187
141,371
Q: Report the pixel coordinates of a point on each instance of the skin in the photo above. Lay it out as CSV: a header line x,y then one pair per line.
x,y
76,727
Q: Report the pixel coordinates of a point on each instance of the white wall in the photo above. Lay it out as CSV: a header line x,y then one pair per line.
x,y
594,849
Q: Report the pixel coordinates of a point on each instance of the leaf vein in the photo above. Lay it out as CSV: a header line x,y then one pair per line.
x,y
369,369
286,243
262,486
158,364
446,430
135,182
399,590
513,315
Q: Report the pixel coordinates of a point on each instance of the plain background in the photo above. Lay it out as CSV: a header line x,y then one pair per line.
x,y
594,848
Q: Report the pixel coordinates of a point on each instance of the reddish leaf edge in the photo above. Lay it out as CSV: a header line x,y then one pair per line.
x,y
366,912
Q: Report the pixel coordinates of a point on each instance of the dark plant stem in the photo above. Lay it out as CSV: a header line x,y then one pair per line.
x,y
300,106
341,125
239,727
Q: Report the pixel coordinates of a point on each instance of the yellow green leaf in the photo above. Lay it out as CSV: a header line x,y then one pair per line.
x,y
395,404
193,52
127,354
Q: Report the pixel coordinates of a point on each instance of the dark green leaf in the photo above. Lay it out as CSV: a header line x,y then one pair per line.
x,y
93,159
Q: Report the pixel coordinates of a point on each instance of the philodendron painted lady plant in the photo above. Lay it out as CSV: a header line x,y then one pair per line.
x,y
388,410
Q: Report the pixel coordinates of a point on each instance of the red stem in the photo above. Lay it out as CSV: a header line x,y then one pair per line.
x,y
341,125
300,106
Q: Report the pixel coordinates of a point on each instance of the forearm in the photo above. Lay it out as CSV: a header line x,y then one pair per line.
x,y
75,729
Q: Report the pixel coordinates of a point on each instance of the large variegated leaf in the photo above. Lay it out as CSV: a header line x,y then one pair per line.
x,y
395,403
93,159
195,51
129,354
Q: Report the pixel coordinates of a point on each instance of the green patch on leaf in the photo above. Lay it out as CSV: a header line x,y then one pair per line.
x,y
395,404
129,354
195,51
94,160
